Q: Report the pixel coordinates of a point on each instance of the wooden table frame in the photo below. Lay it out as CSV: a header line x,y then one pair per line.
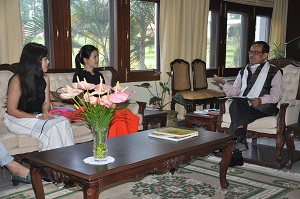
x,y
209,122
154,117
66,165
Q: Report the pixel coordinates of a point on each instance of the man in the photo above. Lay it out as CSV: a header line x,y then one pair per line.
x,y
261,84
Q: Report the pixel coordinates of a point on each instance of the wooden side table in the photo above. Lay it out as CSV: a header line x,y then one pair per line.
x,y
292,131
154,117
209,122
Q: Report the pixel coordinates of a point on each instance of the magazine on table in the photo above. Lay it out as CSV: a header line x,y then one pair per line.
x,y
214,112
236,97
173,133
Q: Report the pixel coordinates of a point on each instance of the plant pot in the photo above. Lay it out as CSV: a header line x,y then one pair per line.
x,y
171,117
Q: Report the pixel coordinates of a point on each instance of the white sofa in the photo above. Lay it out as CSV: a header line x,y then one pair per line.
x,y
20,144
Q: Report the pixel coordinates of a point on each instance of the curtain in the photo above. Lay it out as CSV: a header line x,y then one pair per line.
x,y
279,23
183,33
10,32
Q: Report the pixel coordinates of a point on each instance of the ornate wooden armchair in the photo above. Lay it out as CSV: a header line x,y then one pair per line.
x,y
272,126
200,82
181,84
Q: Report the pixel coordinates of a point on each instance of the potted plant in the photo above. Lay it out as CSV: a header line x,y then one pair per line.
x,y
158,98
276,52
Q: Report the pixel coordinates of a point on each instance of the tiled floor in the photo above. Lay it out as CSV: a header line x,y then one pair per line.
x,y
5,182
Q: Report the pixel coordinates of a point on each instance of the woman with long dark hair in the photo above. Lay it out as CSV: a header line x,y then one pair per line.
x,y
28,102
88,57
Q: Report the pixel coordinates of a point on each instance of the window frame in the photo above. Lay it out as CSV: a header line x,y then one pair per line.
x,y
58,22
223,7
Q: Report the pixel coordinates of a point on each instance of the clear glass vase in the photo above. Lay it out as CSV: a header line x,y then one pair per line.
x,y
100,143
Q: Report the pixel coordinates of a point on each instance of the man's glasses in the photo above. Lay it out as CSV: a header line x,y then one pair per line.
x,y
254,52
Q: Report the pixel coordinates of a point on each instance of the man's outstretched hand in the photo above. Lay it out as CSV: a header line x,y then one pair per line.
x,y
218,79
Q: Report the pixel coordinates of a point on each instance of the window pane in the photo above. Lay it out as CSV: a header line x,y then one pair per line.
x,y
32,17
212,40
236,39
142,35
262,28
90,23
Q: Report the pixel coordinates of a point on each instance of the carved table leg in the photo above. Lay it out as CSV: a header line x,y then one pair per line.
x,y
91,191
188,123
37,185
227,152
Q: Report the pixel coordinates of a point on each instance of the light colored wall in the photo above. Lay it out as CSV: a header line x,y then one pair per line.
x,y
140,94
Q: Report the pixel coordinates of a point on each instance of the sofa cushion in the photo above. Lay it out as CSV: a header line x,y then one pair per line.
x,y
4,78
81,132
9,140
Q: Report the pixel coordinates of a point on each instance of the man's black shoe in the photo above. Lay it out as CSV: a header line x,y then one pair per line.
x,y
241,144
236,161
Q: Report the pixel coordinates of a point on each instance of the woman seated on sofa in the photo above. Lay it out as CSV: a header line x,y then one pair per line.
x,y
28,102
18,172
124,121
88,56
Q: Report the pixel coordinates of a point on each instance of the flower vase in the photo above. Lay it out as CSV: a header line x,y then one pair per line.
x,y
100,143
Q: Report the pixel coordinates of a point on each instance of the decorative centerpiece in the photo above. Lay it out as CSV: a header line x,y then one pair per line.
x,y
97,109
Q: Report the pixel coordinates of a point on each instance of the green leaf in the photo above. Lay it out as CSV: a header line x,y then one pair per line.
x,y
144,85
180,100
155,99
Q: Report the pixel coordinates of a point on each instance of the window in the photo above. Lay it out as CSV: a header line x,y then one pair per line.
x,y
236,39
262,28
212,39
32,17
232,28
90,24
124,31
140,56
142,35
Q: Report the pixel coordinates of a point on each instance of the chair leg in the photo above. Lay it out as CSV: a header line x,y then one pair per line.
x,y
254,141
280,141
290,148
189,107
173,105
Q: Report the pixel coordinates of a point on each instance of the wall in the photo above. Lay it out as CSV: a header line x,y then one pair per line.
x,y
293,30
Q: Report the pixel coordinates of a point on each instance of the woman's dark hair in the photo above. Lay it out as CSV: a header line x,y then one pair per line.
x,y
85,52
30,70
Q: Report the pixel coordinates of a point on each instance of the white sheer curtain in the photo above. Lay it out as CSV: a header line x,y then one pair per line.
x,y
278,23
10,32
183,32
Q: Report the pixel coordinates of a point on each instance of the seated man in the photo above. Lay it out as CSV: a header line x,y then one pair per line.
x,y
261,84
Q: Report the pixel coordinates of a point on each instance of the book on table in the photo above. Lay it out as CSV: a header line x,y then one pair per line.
x,y
173,133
